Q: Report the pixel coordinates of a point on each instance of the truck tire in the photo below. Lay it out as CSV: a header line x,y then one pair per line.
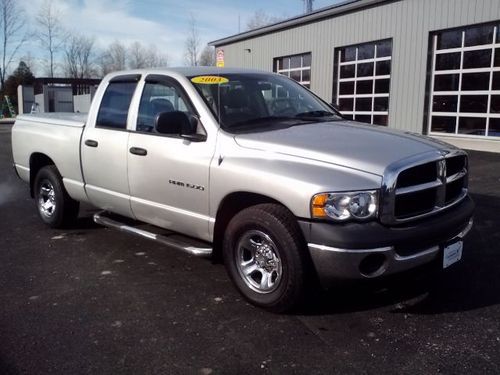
x,y
264,255
55,207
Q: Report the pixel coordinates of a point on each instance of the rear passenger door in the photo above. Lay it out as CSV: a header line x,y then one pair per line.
x,y
104,148
168,175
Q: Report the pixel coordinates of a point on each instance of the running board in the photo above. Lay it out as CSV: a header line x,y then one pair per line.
x,y
186,244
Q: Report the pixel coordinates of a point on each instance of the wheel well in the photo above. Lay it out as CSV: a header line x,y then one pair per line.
x,y
230,206
37,162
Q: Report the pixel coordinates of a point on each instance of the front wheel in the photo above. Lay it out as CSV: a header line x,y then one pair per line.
x,y
264,255
55,207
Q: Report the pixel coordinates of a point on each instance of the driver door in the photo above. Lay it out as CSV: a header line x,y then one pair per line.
x,y
168,175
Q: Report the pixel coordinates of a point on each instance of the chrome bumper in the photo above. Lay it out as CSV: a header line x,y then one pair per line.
x,y
333,264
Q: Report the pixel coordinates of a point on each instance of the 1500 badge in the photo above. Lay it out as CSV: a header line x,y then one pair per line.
x,y
186,184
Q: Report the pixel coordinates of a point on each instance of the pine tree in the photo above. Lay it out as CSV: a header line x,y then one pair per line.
x,y
21,76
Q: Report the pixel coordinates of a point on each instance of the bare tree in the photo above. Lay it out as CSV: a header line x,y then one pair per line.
x,y
12,34
260,19
79,57
118,57
114,58
207,56
141,57
51,33
154,58
136,56
192,44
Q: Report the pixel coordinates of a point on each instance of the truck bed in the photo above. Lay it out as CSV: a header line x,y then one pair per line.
x,y
65,119
54,134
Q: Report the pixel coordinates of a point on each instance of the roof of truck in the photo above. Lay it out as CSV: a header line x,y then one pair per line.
x,y
190,71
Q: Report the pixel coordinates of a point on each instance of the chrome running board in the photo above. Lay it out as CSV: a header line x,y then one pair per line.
x,y
185,244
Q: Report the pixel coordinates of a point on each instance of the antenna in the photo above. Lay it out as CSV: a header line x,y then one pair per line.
x,y
308,6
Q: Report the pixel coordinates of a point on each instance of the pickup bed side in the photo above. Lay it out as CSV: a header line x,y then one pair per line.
x,y
46,139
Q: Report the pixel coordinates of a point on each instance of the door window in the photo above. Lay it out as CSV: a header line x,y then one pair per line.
x,y
156,98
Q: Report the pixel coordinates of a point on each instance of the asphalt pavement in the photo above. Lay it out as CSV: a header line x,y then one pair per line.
x,y
90,300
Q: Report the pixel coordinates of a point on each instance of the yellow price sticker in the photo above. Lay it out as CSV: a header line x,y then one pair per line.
x,y
209,80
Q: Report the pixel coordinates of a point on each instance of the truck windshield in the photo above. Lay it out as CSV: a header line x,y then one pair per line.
x,y
253,101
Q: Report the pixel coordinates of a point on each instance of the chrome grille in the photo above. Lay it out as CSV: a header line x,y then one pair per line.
x,y
425,185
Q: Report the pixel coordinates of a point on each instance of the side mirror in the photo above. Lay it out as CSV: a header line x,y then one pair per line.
x,y
180,124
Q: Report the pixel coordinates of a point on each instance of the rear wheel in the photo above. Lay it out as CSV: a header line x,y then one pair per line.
x,y
264,256
55,207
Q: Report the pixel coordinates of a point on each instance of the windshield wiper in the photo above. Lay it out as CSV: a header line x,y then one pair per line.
x,y
316,114
266,120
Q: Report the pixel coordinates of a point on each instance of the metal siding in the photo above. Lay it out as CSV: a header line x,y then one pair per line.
x,y
407,22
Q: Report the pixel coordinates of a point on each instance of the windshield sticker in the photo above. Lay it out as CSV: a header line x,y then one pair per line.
x,y
209,80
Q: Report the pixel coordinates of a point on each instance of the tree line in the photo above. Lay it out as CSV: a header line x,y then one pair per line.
x,y
73,54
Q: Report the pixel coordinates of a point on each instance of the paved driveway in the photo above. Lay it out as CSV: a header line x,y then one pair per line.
x,y
93,301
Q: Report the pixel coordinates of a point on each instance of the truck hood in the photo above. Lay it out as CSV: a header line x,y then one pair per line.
x,y
366,148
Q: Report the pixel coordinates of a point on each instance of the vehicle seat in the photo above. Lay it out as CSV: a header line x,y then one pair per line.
x,y
237,108
161,105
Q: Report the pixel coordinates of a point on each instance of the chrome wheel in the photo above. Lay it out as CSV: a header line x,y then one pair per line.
x,y
258,262
47,199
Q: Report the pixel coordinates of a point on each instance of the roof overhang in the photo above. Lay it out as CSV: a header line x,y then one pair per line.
x,y
327,12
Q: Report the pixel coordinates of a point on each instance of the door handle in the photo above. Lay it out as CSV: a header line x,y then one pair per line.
x,y
138,151
91,143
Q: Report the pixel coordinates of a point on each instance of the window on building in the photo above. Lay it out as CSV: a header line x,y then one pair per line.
x,y
363,76
465,81
297,67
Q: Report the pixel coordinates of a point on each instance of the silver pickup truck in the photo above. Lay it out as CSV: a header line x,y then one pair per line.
x,y
254,169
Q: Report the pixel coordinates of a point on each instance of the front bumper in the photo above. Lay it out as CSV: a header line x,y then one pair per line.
x,y
368,250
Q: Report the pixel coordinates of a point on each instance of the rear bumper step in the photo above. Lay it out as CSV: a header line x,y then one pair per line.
x,y
179,242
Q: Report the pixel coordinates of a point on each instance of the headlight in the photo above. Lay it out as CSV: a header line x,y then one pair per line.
x,y
359,205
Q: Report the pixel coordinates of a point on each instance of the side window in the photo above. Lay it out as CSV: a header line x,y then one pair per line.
x,y
115,103
156,98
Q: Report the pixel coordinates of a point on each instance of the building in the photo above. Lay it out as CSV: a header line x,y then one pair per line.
x,y
57,95
424,66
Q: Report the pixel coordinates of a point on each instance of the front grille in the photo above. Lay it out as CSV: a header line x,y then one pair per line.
x,y
417,203
455,165
425,188
417,175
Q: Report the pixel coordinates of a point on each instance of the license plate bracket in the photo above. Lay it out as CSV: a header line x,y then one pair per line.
x,y
452,252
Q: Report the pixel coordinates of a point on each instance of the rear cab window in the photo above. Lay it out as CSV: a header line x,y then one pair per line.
x,y
115,104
